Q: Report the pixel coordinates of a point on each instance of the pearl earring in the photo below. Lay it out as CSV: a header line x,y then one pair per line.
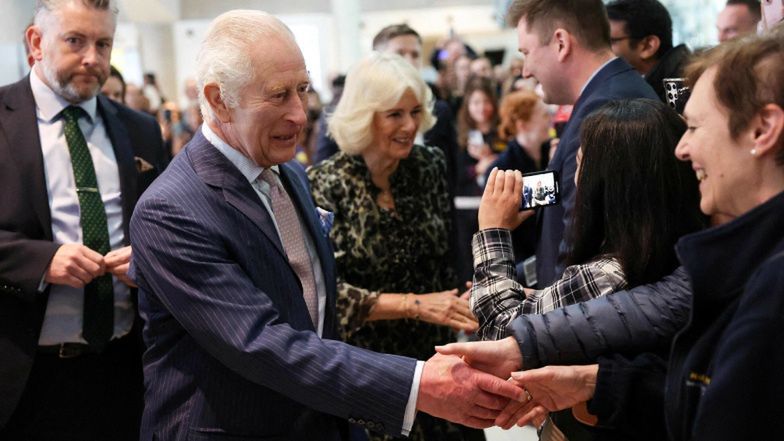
x,y
753,152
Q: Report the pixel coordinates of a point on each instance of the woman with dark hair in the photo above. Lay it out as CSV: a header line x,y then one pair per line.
x,y
634,200
477,137
114,86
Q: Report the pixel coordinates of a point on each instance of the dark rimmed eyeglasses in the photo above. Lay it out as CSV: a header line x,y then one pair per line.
x,y
617,39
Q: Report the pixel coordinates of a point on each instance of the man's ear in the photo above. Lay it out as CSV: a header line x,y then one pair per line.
x,y
768,128
212,93
34,38
563,41
648,47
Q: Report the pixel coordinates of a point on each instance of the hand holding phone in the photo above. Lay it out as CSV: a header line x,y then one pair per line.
x,y
500,204
540,189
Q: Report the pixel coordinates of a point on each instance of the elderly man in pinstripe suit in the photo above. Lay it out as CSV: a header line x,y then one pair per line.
x,y
237,283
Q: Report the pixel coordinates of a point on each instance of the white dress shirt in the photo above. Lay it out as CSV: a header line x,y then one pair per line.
x,y
63,318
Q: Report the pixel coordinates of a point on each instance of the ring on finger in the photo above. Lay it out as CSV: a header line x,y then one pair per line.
x,y
528,396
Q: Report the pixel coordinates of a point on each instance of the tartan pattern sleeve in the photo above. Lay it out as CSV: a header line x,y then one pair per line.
x,y
497,299
495,295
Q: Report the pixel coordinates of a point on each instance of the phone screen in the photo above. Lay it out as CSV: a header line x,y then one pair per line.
x,y
540,189
475,137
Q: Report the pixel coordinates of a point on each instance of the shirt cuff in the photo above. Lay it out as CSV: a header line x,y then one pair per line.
x,y
43,285
408,417
490,244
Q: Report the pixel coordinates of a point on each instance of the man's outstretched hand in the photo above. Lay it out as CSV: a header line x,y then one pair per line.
x,y
451,389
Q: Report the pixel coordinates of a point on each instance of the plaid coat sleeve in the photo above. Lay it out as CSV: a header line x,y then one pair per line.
x,y
497,299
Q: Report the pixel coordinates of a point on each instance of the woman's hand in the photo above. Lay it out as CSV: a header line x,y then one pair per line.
x,y
550,389
500,205
444,308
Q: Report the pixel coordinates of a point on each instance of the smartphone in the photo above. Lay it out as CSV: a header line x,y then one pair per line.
x,y
540,189
475,137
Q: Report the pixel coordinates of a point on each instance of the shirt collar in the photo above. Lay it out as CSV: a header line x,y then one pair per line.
x,y
595,73
245,165
49,104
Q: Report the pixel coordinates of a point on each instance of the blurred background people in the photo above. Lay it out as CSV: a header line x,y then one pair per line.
x,y
738,18
641,34
477,134
481,67
114,87
135,99
772,13
391,210
152,92
525,124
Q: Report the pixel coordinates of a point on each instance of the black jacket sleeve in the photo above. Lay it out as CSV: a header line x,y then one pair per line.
x,y
644,318
629,397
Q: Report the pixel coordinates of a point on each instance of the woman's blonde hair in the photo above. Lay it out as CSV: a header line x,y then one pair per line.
x,y
375,84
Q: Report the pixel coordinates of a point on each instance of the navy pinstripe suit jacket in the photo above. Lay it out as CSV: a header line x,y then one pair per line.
x,y
231,349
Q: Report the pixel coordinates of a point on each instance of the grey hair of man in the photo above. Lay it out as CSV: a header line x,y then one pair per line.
x,y
225,54
43,8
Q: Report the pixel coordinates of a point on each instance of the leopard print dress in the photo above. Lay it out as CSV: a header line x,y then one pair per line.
x,y
404,250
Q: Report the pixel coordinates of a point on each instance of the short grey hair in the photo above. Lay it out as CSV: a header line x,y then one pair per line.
x,y
375,84
225,54
43,7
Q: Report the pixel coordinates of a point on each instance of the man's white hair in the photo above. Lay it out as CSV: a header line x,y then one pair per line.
x,y
225,57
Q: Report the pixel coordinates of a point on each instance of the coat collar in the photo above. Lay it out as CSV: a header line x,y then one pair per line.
x,y
733,251
612,68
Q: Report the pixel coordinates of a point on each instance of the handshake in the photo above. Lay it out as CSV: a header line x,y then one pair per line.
x,y
477,384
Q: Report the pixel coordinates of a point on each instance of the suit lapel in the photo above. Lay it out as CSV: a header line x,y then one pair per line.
x,y
216,170
123,152
21,127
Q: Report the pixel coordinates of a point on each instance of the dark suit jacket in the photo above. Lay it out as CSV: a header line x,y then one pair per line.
x,y
26,246
231,348
617,80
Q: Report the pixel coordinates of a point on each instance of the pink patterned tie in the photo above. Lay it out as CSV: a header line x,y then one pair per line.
x,y
293,240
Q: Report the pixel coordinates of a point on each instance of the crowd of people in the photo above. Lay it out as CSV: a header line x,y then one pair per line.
x,y
260,265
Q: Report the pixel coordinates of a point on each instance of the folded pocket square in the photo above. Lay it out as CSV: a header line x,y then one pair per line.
x,y
142,165
326,218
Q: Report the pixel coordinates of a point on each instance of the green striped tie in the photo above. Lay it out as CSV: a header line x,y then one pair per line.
x,y
98,321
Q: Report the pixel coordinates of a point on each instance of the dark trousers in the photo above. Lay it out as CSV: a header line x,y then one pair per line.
x,y
89,397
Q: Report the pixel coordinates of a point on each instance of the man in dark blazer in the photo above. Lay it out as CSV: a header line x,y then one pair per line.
x,y
237,279
566,44
54,383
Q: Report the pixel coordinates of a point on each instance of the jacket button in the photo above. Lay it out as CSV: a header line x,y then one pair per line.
x,y
352,420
